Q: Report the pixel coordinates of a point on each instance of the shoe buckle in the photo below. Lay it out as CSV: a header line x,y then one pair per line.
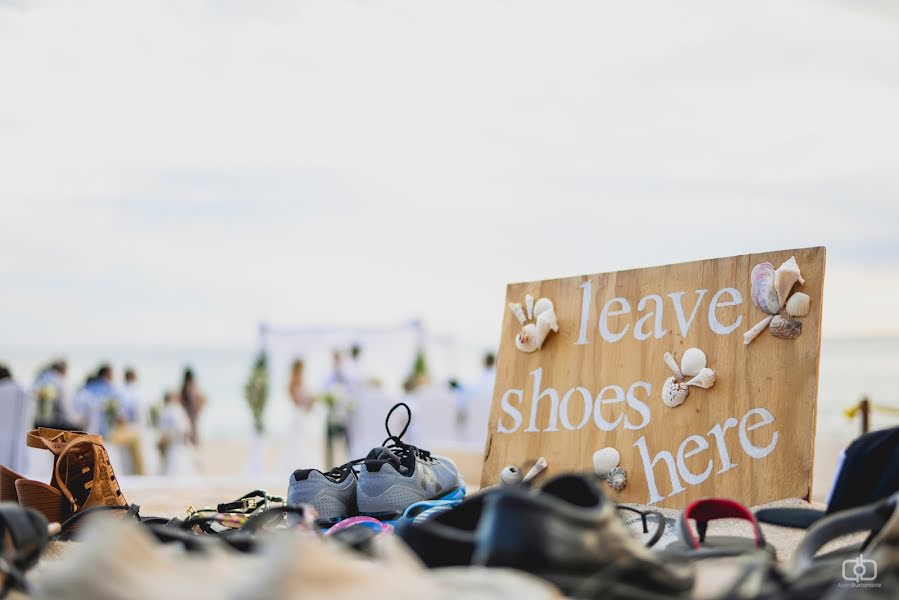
x,y
248,503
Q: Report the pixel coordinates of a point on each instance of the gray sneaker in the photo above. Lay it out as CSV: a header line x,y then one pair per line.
x,y
393,477
333,494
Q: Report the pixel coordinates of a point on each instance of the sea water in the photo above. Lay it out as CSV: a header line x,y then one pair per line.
x,y
849,370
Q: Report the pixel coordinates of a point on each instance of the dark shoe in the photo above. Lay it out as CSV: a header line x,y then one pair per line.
x,y
447,539
23,537
569,534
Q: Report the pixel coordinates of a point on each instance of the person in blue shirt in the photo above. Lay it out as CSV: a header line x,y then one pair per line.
x,y
99,402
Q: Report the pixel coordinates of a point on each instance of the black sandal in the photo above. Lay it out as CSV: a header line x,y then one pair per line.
x,y
660,519
23,537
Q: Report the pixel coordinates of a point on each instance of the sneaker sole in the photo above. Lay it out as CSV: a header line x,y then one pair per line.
x,y
457,493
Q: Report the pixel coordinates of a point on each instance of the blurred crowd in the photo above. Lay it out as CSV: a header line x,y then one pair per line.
x,y
117,410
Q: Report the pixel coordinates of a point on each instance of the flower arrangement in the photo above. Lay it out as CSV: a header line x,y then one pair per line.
x,y
256,391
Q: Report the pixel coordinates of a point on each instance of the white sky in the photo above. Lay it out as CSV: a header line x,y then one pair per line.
x,y
173,172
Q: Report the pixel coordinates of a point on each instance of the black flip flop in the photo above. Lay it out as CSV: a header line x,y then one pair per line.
x,y
660,523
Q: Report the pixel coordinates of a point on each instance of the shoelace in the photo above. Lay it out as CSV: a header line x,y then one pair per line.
x,y
337,472
395,442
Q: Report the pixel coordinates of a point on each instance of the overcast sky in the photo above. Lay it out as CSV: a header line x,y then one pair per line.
x,y
174,172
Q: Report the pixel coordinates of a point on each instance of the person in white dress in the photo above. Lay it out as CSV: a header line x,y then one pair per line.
x,y
306,436
174,437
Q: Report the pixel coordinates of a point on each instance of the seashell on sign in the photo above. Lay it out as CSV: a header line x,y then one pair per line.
x,y
617,479
787,329
798,305
674,393
764,295
692,362
786,276
605,460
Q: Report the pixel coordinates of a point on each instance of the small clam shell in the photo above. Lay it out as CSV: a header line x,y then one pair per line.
x,y
788,329
617,479
798,304
605,460
673,393
510,475
672,364
785,277
757,329
705,379
692,362
764,296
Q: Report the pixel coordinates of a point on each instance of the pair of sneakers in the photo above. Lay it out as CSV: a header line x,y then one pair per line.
x,y
392,478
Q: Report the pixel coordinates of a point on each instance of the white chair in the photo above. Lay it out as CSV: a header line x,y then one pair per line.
x,y
14,424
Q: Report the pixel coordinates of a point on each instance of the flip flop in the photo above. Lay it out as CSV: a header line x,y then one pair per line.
x,y
23,537
870,518
361,521
700,545
653,539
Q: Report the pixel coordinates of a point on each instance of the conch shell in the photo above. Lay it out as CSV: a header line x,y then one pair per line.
x,y
757,329
764,294
704,379
785,277
787,329
531,337
673,393
798,305
672,364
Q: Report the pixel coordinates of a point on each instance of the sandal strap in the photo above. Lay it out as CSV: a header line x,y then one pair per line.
x,y
249,502
56,440
709,509
109,485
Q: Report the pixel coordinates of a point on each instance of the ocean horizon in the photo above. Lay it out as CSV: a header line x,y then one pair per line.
x,y
850,368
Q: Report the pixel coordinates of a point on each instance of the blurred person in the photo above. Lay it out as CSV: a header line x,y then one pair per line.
x,y
193,401
15,421
133,409
126,431
51,401
337,390
99,402
473,408
295,390
175,430
306,442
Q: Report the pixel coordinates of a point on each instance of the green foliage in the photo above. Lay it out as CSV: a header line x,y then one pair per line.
x,y
256,391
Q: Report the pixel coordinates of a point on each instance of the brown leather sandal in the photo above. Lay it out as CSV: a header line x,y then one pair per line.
x,y
82,475
8,479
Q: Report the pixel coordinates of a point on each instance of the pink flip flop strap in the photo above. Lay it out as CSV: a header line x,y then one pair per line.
x,y
360,520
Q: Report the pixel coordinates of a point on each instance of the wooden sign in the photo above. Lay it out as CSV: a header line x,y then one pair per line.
x,y
598,382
